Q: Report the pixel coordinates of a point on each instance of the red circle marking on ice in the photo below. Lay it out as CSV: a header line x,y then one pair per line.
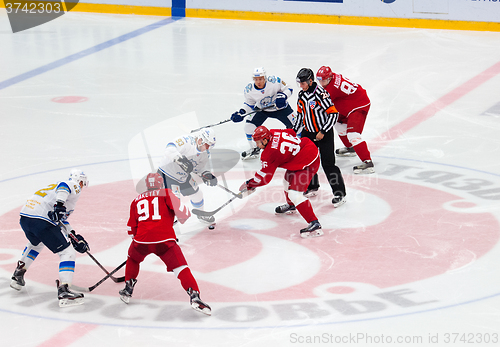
x,y
414,242
341,290
69,99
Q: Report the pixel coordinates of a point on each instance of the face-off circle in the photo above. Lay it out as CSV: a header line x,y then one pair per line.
x,y
395,236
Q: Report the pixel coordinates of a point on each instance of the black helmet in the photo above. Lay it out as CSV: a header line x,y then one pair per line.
x,y
305,74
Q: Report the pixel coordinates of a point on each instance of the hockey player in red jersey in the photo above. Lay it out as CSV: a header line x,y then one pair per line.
x,y
353,104
151,221
300,157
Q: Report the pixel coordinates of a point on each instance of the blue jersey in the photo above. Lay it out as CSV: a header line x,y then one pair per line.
x,y
183,146
266,96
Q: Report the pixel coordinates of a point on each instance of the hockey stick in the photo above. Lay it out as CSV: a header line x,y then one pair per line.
x,y
239,195
73,237
228,120
114,279
109,275
206,213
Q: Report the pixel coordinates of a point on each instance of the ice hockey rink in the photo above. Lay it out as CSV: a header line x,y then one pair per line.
x,y
411,259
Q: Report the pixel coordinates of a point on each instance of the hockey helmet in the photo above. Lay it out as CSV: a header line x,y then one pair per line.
x,y
154,181
259,72
77,175
305,74
324,73
207,135
261,133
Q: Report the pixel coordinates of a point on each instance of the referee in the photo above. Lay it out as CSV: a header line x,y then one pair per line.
x,y
316,116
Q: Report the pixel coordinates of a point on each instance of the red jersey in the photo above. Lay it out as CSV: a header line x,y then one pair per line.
x,y
152,215
284,150
347,96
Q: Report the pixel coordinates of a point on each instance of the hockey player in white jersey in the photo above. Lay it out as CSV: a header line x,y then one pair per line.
x,y
41,220
184,156
270,95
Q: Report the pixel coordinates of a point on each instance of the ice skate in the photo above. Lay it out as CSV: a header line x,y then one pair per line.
x,y
345,152
126,293
366,167
18,276
207,219
250,154
67,297
311,192
197,304
338,201
312,230
287,209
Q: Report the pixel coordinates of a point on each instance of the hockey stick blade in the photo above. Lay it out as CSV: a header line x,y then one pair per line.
x,y
207,213
203,213
89,289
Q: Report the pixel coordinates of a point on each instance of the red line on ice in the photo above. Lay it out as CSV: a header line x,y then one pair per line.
x,y
430,110
69,335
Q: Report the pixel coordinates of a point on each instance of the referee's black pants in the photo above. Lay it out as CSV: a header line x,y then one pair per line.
x,y
327,153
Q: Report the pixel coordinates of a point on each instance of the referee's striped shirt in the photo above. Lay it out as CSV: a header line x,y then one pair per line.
x,y
315,110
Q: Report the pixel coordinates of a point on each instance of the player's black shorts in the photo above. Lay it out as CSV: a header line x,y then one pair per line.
x,y
38,230
285,116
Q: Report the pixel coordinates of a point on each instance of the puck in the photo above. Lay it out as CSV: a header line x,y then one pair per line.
x,y
211,227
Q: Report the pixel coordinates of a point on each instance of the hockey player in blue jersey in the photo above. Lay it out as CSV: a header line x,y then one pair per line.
x,y
44,222
184,157
269,94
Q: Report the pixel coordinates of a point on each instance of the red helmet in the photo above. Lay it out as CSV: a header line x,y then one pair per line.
x,y
154,181
324,73
261,133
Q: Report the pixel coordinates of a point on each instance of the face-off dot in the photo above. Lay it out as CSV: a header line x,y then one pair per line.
x,y
69,99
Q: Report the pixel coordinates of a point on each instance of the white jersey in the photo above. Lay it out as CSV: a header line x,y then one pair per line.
x,y
183,146
261,98
43,201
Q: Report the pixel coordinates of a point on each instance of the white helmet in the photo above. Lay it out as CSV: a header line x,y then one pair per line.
x,y
208,136
259,72
78,176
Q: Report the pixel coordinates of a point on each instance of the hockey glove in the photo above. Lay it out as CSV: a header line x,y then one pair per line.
x,y
245,190
59,212
236,117
209,179
185,164
80,245
280,101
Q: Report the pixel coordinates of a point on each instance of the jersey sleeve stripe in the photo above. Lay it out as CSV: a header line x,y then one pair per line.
x,y
332,109
64,187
